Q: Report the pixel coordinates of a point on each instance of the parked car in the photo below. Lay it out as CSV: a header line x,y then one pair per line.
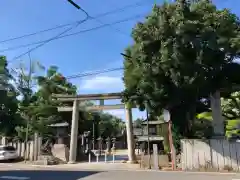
x,y
8,153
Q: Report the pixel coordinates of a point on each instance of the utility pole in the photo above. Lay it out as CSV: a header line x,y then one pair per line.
x,y
167,119
29,78
93,134
148,139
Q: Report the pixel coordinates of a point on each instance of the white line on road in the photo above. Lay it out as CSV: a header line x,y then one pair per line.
x,y
14,177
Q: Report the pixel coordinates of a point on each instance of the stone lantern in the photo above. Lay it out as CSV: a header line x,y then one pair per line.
x,y
61,132
108,143
60,149
113,144
86,135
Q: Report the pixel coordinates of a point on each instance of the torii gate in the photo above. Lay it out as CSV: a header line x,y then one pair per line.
x,y
76,99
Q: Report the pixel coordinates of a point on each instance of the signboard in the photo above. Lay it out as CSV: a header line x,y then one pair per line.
x,y
151,138
166,115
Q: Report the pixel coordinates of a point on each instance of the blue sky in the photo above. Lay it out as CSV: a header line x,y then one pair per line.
x,y
90,51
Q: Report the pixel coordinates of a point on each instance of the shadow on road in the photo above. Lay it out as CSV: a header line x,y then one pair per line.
x,y
45,175
12,160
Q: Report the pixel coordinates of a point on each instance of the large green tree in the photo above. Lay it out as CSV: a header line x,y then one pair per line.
x,y
231,105
110,126
45,106
27,104
37,107
8,100
25,80
181,53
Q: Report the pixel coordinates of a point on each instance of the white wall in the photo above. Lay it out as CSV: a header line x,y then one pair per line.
x,y
215,153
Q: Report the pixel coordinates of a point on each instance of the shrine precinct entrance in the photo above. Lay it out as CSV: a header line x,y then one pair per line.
x,y
77,99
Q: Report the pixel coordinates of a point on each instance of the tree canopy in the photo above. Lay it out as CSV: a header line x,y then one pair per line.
x,y
27,104
8,100
181,54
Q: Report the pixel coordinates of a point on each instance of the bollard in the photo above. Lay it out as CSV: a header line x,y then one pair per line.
x,y
105,156
89,157
97,158
113,148
155,156
45,161
113,157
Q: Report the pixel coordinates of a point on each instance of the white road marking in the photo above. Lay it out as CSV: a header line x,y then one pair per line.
x,y
14,177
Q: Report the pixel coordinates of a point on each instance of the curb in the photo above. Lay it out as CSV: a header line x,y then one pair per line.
x,y
128,169
80,168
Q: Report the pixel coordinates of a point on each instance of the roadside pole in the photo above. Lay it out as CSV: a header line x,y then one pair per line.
x,y
167,119
148,140
26,141
28,96
171,144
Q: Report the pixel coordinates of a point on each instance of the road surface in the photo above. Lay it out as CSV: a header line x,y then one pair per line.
x,y
38,174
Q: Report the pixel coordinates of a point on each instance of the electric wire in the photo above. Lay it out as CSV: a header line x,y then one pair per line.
x,y
87,30
87,74
122,9
53,38
75,33
93,73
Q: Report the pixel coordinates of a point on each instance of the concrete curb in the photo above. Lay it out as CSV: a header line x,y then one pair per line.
x,y
127,169
80,168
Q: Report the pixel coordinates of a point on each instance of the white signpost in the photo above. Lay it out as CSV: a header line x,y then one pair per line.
x,y
166,115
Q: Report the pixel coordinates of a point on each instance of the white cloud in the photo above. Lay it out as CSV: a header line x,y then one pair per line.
x,y
101,84
118,113
121,113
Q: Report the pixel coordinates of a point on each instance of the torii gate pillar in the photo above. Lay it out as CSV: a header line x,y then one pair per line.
x,y
130,138
74,133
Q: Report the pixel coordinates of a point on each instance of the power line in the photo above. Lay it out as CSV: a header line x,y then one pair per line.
x,y
115,29
37,32
139,3
73,34
55,37
93,73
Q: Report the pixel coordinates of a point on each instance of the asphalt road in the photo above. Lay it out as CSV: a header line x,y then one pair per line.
x,y
110,175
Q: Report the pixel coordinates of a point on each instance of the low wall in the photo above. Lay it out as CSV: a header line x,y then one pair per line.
x,y
147,161
213,153
32,149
